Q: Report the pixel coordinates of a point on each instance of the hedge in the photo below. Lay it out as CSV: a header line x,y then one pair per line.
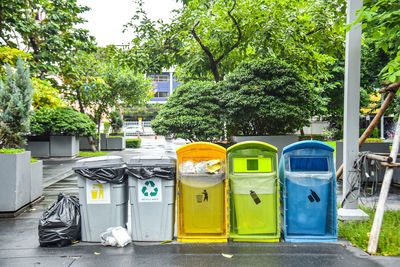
x,y
317,137
133,142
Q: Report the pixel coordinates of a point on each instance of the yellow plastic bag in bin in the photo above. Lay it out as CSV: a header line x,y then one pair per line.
x,y
213,165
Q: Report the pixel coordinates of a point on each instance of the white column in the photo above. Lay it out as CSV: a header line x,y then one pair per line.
x,y
350,209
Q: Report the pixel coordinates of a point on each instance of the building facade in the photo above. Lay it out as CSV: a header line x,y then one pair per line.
x,y
164,84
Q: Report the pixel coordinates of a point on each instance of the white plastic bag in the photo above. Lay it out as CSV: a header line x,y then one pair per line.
x,y
187,167
115,237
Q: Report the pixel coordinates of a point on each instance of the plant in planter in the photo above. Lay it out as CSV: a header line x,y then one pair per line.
x,y
63,125
116,121
15,102
106,126
62,121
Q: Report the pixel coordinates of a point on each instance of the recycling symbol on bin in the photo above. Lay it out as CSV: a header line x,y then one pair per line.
x,y
145,189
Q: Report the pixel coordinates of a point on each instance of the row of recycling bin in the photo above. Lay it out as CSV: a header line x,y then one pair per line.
x,y
234,193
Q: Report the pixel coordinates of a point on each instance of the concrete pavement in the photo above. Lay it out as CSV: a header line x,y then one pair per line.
x,y
19,244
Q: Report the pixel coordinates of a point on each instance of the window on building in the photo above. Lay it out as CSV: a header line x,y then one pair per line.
x,y
159,78
161,94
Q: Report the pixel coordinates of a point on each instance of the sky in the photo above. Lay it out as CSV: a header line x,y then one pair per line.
x,y
107,17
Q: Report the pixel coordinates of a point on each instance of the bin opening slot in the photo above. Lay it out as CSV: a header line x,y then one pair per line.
x,y
252,164
309,164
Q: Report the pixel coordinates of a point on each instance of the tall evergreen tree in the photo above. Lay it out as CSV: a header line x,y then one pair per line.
x,y
15,102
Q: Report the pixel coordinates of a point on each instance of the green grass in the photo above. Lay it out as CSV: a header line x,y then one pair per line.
x,y
332,143
374,140
11,151
33,160
92,154
389,240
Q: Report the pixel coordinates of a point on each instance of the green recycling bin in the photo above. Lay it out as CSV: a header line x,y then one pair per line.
x,y
254,189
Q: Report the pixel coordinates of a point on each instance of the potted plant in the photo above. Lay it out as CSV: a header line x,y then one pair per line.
x,y
64,125
15,175
115,140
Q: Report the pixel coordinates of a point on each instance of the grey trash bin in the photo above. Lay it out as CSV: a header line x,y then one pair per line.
x,y
151,192
103,196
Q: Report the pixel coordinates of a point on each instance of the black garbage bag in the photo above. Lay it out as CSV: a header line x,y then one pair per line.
x,y
60,224
144,173
109,175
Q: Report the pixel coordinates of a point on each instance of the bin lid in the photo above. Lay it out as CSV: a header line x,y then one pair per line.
x,y
308,144
99,162
252,144
200,145
149,161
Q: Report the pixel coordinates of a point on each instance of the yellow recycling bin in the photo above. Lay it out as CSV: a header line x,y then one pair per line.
x,y
202,193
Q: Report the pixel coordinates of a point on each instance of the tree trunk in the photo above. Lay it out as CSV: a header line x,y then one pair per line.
x,y
98,132
90,138
215,71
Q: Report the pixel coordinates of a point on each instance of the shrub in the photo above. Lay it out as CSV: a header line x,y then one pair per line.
x,y
106,126
119,134
192,112
11,151
116,121
374,133
61,121
133,143
373,140
15,102
265,97
317,137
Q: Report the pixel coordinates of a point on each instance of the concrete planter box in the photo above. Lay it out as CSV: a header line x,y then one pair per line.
x,y
36,180
64,146
15,177
39,149
279,141
103,141
115,143
84,143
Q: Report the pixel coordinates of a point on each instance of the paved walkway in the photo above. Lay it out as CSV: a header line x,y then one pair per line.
x,y
19,244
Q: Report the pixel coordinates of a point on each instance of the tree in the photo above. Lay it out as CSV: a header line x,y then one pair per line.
x,y
45,95
332,89
98,84
15,102
206,40
9,56
50,39
265,97
191,112
381,24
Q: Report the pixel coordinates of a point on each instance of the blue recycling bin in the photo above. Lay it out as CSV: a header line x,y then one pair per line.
x,y
307,174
